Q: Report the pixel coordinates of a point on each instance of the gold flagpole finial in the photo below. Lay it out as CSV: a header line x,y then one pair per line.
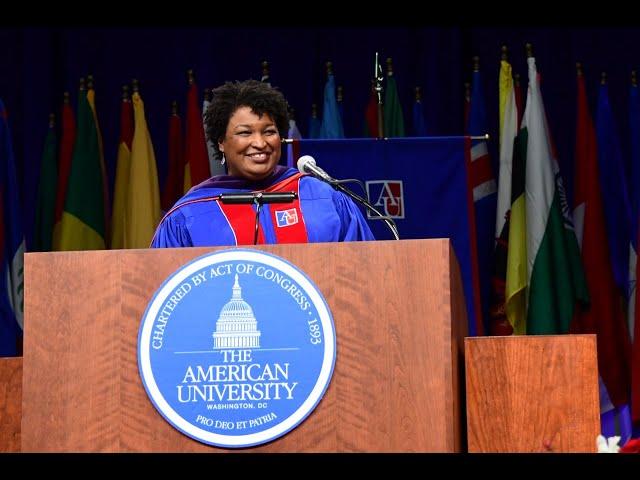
x,y
125,93
418,94
135,85
329,67
52,120
603,78
579,68
389,66
476,63
529,49
504,53
190,76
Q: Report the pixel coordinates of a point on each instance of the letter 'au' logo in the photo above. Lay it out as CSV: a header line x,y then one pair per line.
x,y
388,195
236,348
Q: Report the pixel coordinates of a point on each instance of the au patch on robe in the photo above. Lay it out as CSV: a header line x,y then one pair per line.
x,y
285,218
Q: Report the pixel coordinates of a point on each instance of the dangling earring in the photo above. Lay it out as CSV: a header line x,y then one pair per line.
x,y
222,160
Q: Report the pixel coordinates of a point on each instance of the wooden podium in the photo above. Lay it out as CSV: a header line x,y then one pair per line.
x,y
532,394
400,320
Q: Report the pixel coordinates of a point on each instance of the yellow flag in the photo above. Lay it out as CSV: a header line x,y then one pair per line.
x,y
143,194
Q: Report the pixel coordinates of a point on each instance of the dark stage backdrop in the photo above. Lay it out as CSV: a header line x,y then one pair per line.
x,y
38,64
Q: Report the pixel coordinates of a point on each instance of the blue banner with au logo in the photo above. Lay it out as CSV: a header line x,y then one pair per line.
x,y
236,348
424,184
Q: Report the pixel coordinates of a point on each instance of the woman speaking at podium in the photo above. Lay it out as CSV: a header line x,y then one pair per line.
x,y
258,201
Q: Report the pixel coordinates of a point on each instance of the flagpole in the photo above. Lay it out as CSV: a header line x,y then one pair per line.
x,y
377,75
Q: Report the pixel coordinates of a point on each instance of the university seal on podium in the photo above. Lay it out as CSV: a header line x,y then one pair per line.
x,y
236,348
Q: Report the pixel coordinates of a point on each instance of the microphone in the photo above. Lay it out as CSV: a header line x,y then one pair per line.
x,y
258,197
307,164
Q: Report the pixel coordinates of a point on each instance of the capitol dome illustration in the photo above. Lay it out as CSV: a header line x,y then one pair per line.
x,y
236,326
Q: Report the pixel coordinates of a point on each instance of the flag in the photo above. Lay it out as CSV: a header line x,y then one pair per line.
x,y
371,115
483,184
499,324
614,191
196,159
11,247
634,310
518,92
393,118
604,315
419,123
143,196
82,226
46,201
294,134
215,167
91,95
174,182
123,167
555,275
331,125
67,140
314,123
406,177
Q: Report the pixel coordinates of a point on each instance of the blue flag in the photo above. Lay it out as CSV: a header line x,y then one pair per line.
x,y
483,185
11,246
419,123
614,191
314,127
421,183
331,120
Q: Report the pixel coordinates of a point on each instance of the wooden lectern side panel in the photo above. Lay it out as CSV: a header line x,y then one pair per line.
x,y
532,393
71,338
10,403
391,389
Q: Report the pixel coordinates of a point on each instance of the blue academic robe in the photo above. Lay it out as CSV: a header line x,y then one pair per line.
x,y
321,214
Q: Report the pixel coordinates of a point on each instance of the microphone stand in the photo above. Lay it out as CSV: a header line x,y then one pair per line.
x,y
258,205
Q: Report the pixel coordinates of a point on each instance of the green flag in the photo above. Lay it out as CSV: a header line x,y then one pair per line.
x,y
556,277
393,119
46,203
83,222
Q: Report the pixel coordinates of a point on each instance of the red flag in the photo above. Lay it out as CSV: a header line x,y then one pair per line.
x,y
518,93
604,316
371,114
195,148
173,185
635,359
67,141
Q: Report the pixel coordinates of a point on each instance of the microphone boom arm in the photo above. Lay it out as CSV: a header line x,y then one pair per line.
x,y
363,201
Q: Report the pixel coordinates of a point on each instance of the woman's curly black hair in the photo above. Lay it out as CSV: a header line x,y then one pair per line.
x,y
259,96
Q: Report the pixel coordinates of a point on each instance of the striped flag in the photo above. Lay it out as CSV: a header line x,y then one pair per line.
x,y
483,184
555,275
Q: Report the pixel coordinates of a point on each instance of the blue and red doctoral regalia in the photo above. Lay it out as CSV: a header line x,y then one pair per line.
x,y
319,214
